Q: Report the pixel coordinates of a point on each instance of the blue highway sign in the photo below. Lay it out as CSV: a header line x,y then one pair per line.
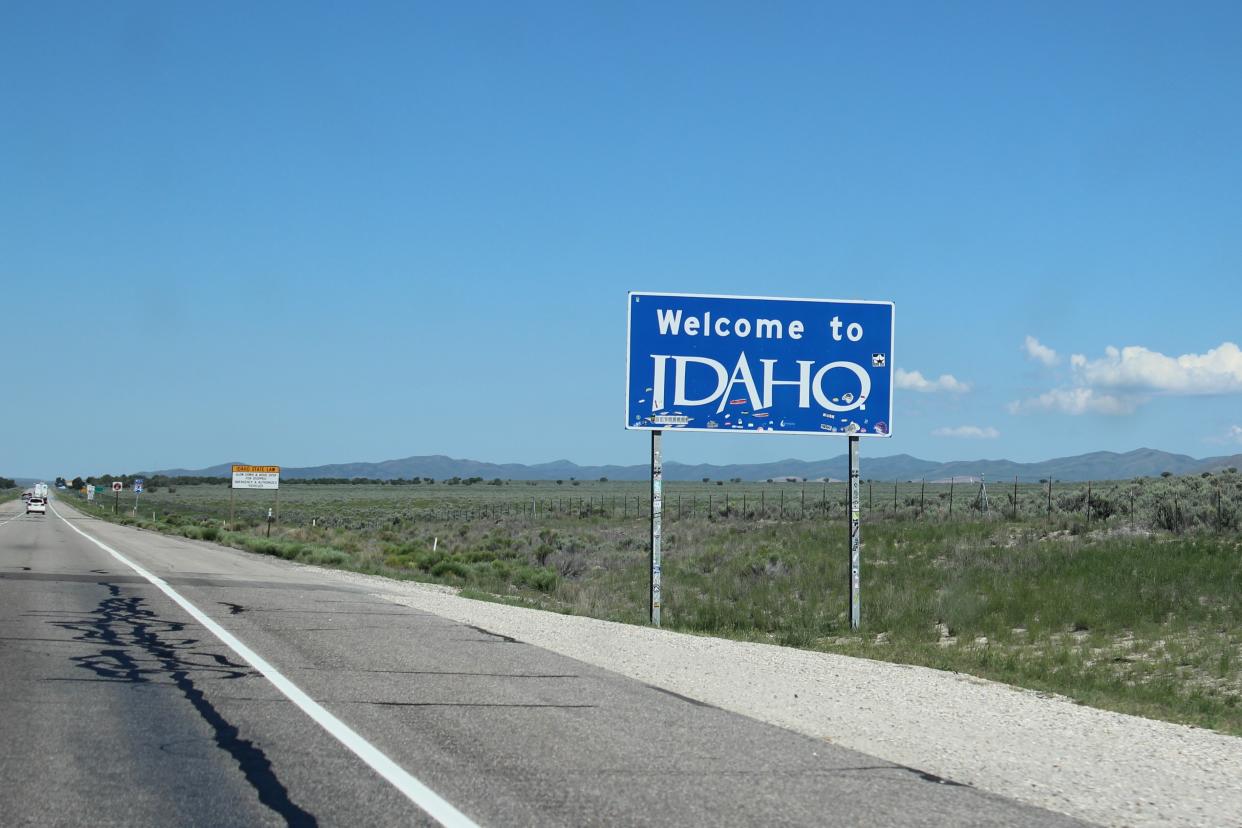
x,y
759,365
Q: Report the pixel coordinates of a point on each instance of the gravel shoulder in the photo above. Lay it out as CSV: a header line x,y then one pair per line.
x,y
1045,750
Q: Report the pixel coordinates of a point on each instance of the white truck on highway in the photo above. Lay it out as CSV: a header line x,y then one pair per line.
x,y
40,490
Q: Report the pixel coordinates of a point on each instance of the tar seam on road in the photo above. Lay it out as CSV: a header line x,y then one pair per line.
x,y
123,622
428,800
695,702
504,639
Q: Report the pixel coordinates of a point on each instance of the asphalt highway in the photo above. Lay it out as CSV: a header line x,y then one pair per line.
x,y
148,680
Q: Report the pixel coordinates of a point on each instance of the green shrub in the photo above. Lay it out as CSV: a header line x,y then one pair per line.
x,y
543,580
450,567
325,556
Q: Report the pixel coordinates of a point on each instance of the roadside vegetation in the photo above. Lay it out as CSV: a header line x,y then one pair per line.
x,y
1135,608
9,490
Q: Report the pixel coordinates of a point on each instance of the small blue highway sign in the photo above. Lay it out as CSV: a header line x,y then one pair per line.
x,y
759,365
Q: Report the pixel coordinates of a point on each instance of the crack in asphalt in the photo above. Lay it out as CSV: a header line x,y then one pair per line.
x,y
445,673
332,612
469,704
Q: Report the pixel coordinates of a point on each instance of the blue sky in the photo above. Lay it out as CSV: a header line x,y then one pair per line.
x,y
308,233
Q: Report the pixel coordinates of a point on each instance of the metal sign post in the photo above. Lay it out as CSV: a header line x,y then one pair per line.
x,y
855,538
657,515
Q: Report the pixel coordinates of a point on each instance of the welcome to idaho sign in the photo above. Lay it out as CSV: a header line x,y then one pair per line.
x,y
759,365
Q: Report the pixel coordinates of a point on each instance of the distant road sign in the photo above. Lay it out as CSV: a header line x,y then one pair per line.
x,y
759,365
99,490
256,477
117,485
138,484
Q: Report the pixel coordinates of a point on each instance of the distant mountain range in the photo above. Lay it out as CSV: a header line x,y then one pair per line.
x,y
1099,465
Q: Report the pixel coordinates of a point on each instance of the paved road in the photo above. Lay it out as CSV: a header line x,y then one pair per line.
x,y
119,707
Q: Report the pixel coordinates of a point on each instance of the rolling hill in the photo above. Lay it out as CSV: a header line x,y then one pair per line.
x,y
1100,465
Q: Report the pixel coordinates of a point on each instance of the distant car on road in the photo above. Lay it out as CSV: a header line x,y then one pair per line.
x,y
36,505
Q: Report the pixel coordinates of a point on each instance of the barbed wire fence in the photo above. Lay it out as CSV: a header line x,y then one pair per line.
x,y
1209,501
1178,504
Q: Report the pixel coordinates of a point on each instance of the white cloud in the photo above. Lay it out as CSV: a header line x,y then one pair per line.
x,y
1076,401
1231,436
1219,371
1125,378
1040,352
915,381
986,433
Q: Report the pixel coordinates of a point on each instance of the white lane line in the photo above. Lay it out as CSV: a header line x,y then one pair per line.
x,y
418,793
